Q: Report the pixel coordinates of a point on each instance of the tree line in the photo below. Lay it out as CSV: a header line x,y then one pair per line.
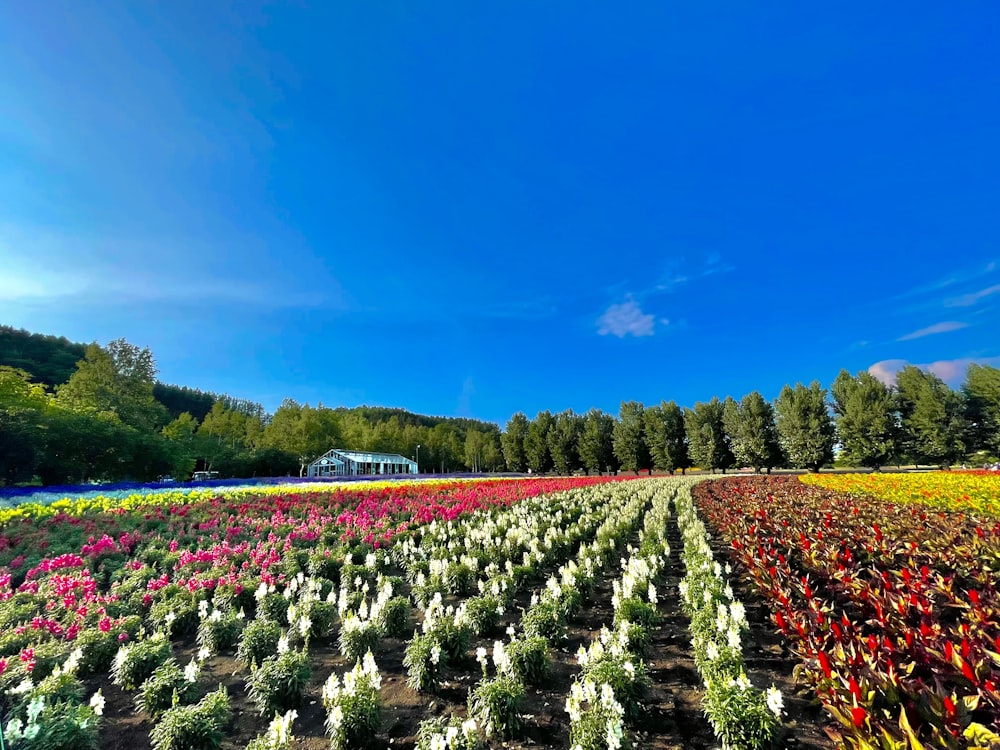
x,y
860,420
112,420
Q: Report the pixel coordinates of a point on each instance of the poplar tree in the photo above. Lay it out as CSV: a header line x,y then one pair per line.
x,y
707,440
752,432
512,442
865,410
629,438
930,418
805,427
596,445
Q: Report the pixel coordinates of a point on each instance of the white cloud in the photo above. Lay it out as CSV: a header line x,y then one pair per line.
x,y
886,370
626,319
967,300
944,327
951,371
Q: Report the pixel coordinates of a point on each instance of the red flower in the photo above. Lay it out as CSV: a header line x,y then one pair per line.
x,y
824,663
858,715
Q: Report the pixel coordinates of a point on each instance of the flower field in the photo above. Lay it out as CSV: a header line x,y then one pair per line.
x,y
514,613
971,492
892,607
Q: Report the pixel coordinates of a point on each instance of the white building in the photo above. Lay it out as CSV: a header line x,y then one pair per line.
x,y
338,462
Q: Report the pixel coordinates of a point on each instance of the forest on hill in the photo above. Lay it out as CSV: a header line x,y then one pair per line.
x,y
71,413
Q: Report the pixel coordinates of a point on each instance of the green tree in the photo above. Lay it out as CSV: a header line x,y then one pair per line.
x,y
596,446
752,432
865,410
931,418
667,439
805,427
708,442
20,441
513,442
302,431
117,379
536,444
629,437
981,391
563,440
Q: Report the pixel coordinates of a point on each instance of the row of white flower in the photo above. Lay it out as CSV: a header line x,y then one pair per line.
x,y
742,716
613,678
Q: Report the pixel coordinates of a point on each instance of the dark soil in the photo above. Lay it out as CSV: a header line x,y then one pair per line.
x,y
672,717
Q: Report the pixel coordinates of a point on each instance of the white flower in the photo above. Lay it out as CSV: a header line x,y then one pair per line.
x,y
204,653
733,639
305,624
97,703
774,701
283,644
711,651
435,654
191,671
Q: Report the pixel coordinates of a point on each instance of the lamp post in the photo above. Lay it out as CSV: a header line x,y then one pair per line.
x,y
418,458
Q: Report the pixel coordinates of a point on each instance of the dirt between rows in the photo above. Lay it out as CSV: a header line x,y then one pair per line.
x,y
672,718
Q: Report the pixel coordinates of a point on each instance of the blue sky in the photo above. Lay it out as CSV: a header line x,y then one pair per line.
x,y
478,208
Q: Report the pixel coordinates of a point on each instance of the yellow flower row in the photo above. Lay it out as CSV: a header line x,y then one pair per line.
x,y
973,493
104,503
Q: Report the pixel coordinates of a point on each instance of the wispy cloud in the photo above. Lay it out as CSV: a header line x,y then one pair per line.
x,y
626,319
968,300
680,272
951,371
82,273
943,327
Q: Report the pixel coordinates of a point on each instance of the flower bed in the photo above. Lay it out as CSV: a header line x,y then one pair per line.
x,y
892,608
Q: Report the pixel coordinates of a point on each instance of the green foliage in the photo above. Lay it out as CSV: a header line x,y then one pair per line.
x,y
931,418
981,392
137,661
116,379
529,659
546,620
739,715
563,440
279,682
197,727
637,611
273,607
354,709
394,619
708,442
165,688
98,649
259,640
596,447
59,687
358,636
627,677
536,443
459,579
483,614
805,428
752,432
629,437
865,411
424,660
220,631
512,442
495,703
666,436
61,725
